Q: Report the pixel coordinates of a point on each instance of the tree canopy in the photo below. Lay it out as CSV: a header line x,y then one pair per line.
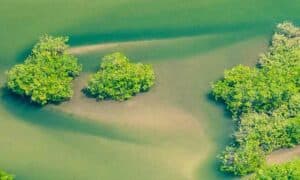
x,y
264,101
119,79
47,73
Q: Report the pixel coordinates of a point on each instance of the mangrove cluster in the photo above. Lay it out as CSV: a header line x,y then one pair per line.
x,y
47,73
119,79
265,103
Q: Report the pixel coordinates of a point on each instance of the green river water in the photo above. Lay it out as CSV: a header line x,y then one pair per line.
x,y
189,43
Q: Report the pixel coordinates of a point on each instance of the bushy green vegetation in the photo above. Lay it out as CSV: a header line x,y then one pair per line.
x,y
245,89
47,74
286,171
242,160
258,135
271,132
265,103
5,176
119,79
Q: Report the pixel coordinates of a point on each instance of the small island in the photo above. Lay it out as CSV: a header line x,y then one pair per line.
x,y
47,73
119,79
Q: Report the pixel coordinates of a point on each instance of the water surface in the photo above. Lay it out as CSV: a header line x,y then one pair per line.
x,y
191,43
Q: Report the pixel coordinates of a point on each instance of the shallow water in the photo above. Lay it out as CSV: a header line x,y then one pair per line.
x,y
193,42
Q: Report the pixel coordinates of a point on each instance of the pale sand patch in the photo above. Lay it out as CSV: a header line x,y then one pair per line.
x,y
92,48
187,162
172,104
146,110
149,112
284,155
84,49
97,47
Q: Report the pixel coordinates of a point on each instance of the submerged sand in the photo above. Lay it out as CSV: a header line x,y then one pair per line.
x,y
174,107
148,111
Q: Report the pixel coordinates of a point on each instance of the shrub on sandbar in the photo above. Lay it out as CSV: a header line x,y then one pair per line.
x,y
119,79
47,73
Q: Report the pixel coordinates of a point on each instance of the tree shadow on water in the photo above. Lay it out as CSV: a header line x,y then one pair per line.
x,y
163,33
58,121
219,104
22,55
210,169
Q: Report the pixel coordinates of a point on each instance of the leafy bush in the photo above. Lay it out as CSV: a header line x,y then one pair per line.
x,y
290,109
245,89
47,73
286,171
264,101
5,176
243,160
293,130
119,79
258,134
272,132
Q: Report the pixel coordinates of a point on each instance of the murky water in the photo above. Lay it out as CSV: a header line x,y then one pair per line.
x,y
172,132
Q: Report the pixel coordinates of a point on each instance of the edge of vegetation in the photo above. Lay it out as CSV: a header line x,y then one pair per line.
x,y
265,103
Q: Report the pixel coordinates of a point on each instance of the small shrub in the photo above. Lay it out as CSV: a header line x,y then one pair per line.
x,y
47,74
270,132
246,89
119,79
243,159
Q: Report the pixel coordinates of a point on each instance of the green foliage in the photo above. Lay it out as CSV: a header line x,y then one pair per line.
x,y
47,74
6,176
286,171
258,135
119,79
265,101
236,88
289,109
245,89
293,130
243,160
270,132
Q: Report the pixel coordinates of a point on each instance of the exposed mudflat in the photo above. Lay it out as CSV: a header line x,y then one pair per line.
x,y
283,155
